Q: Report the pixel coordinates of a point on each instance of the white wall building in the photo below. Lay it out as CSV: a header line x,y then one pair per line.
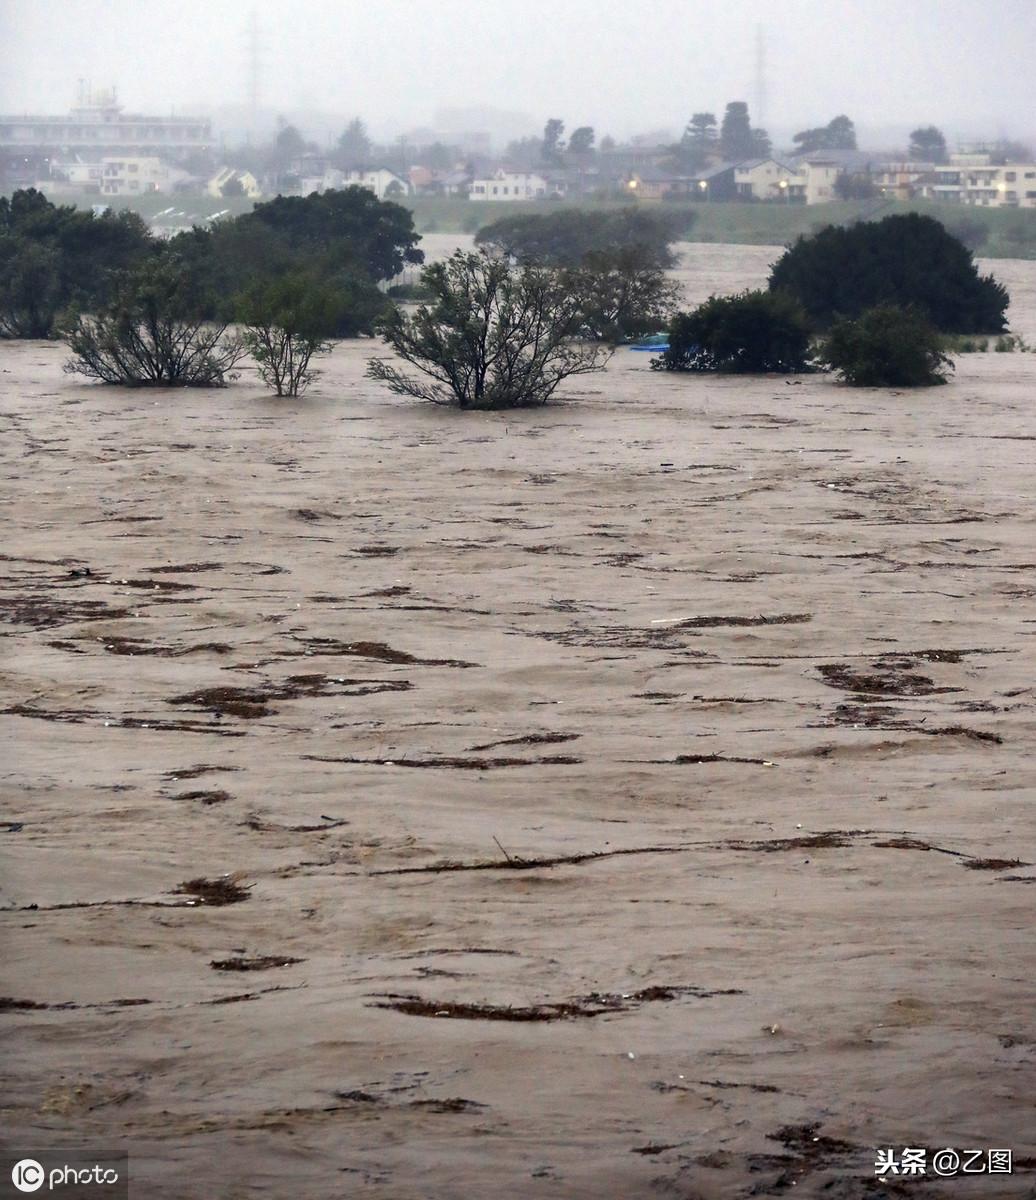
x,y
768,179
972,179
249,183
819,175
134,176
512,185
385,184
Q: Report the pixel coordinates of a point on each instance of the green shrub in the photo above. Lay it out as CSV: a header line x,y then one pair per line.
x,y
750,333
1010,342
901,260
287,323
887,346
622,294
52,258
151,334
494,336
567,238
414,292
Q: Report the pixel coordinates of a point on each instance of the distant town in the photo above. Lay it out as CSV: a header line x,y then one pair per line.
x,y
100,149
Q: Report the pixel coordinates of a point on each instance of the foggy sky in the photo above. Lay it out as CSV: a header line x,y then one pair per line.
x,y
620,65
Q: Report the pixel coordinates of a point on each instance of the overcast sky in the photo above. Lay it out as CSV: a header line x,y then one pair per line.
x,y
620,65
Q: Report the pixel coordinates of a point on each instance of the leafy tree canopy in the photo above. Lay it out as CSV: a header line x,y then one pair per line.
x,y
566,237
928,145
887,346
351,226
906,260
493,336
838,134
749,333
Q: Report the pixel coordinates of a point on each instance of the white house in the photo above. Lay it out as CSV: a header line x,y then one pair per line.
x,y
819,175
513,185
768,179
973,179
249,183
385,184
125,176
71,175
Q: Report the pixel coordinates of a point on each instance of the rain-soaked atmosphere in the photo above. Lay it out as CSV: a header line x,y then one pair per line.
x,y
516,599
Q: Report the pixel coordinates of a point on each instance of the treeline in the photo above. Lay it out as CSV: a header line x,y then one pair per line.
x,y
543,298
56,262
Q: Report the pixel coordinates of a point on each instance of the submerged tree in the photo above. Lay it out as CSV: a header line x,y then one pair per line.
x,y
887,346
749,333
906,260
494,336
287,323
565,238
53,257
621,294
31,295
151,335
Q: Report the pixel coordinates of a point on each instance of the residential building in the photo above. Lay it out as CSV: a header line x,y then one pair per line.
x,y
716,182
819,175
70,176
135,176
514,185
229,175
974,180
384,183
769,179
901,180
652,183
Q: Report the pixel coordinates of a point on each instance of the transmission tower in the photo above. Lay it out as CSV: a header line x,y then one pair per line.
x,y
254,71
760,78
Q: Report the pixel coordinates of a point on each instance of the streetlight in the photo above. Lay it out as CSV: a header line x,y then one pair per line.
x,y
704,188
783,185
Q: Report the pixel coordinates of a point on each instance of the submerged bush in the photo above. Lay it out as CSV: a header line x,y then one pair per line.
x,y
902,260
887,346
493,336
567,237
151,336
287,323
54,257
750,333
621,294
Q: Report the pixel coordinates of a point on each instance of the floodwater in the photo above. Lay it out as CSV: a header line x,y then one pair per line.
x,y
628,798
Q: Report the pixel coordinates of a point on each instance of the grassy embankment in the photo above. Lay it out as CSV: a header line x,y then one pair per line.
x,y
1008,233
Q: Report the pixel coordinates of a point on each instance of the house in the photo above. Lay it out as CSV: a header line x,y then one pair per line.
x,y
514,185
652,183
974,180
820,175
716,182
72,175
426,182
229,175
455,183
125,176
385,184
901,180
769,179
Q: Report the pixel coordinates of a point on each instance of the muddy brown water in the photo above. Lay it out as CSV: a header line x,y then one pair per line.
x,y
616,573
